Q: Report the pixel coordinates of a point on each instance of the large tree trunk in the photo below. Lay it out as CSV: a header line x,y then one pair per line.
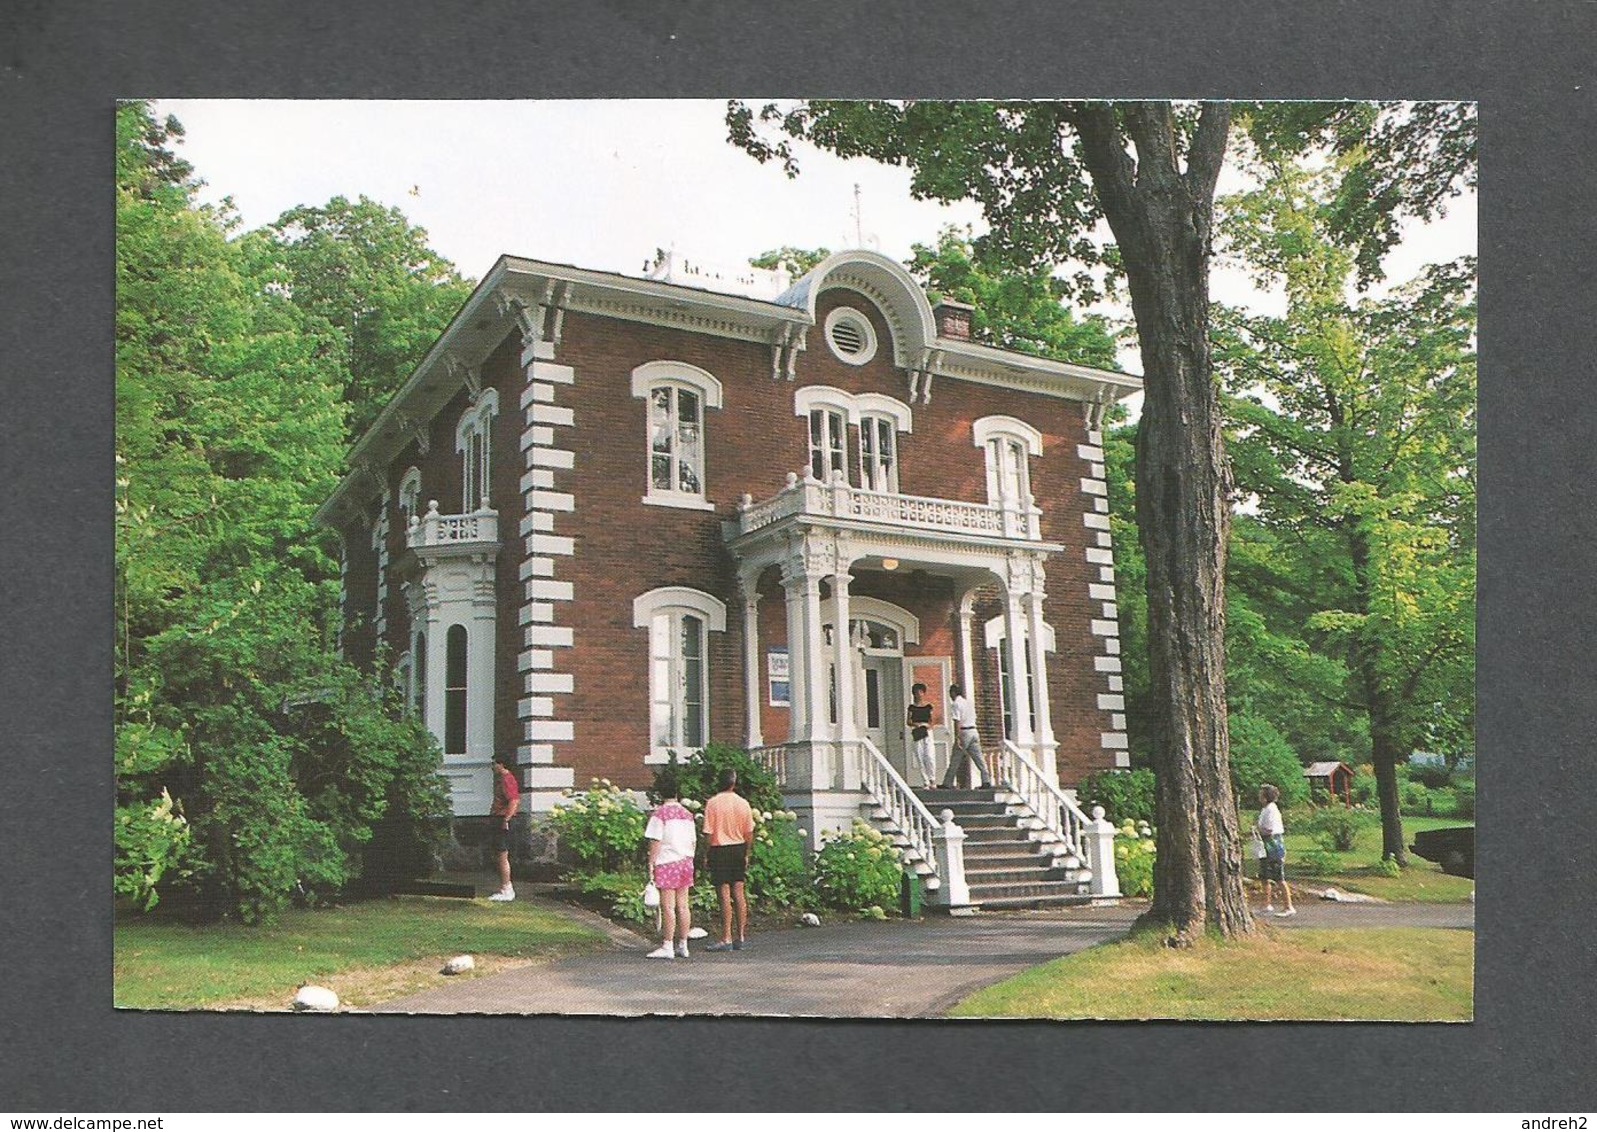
x,y
1161,220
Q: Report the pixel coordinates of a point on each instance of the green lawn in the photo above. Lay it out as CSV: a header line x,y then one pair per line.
x,y
1386,974
1358,870
366,951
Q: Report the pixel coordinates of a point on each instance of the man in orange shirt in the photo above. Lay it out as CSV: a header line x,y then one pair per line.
x,y
729,824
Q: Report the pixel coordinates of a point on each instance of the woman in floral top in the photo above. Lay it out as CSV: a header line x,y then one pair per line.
x,y
672,837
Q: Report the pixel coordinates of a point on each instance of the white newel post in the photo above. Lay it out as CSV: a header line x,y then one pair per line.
x,y
1100,838
948,841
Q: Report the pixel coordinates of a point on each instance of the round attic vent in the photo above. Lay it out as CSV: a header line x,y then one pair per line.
x,y
851,336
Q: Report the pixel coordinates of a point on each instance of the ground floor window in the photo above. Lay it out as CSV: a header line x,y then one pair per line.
x,y
455,691
676,680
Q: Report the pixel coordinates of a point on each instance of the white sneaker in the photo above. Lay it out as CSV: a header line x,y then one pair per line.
x,y
682,951
1268,908
504,894
661,953
1287,912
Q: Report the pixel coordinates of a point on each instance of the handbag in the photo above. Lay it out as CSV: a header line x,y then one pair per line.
x,y
651,896
1257,844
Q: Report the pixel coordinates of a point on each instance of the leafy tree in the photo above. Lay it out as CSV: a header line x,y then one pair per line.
x,y
252,763
369,282
1356,437
795,261
1045,173
1019,310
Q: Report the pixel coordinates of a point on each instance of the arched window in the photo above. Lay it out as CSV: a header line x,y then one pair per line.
x,y
676,396
678,621
878,420
455,691
473,438
1007,443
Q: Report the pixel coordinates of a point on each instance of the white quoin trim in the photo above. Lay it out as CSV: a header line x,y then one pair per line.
x,y
650,374
712,609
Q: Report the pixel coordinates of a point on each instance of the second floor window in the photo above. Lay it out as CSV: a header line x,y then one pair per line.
x,y
878,454
828,444
473,442
676,441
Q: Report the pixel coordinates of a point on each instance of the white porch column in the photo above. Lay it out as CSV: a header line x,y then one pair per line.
x,y
843,654
1015,650
797,667
817,723
749,598
967,667
480,643
1047,746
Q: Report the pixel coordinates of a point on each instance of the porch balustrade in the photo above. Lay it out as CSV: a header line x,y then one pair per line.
x,y
435,530
892,794
1063,822
810,498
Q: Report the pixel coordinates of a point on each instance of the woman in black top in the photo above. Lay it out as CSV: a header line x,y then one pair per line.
x,y
919,718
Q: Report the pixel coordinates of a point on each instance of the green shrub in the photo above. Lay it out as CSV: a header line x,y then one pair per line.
x,y
1316,862
1122,793
1464,797
622,890
1414,798
151,841
858,869
602,827
698,775
1336,828
1389,867
1134,857
1365,789
779,873
1431,775
1259,755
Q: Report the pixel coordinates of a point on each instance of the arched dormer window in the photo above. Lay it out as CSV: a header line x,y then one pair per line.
x,y
676,396
473,442
679,621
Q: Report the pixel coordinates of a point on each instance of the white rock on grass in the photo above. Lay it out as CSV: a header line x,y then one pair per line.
x,y
697,933
810,920
459,965
316,1000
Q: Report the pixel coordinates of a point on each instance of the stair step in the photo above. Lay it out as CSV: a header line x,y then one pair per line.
x,y
1059,900
983,878
1020,890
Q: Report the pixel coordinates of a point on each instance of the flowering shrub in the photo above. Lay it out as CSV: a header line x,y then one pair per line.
x,y
1134,855
602,826
779,872
858,869
151,841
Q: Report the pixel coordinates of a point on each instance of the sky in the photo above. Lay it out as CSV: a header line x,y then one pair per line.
x,y
603,184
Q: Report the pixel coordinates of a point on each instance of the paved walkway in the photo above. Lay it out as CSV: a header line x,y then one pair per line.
x,y
842,969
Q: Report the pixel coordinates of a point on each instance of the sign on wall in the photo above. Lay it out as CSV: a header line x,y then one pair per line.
x,y
776,670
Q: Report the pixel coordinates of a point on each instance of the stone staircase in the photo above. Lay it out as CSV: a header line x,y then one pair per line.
x,y
1005,866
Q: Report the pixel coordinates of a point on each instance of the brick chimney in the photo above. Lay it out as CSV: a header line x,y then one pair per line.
x,y
953,319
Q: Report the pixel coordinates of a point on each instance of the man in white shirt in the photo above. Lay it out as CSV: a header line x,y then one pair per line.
x,y
967,743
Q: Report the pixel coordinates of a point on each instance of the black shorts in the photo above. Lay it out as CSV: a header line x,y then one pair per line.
x,y
498,834
1272,868
728,864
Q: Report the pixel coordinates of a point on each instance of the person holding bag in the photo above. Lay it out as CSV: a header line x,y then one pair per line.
x,y
672,837
1271,830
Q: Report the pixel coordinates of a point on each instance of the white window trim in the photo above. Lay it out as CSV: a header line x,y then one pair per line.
x,y
410,486
645,379
677,600
477,418
1009,428
855,410
867,330
993,634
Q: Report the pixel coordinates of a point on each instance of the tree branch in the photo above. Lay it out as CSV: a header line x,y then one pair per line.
x,y
1207,153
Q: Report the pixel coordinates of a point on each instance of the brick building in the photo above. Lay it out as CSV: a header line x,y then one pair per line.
x,y
607,518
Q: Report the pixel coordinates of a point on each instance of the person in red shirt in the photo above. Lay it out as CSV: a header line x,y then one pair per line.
x,y
507,800
729,825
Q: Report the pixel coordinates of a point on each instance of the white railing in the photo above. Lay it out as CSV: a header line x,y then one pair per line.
x,y
433,529
1059,815
838,500
891,793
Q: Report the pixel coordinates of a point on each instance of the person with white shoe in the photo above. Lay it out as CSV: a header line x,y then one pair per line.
x,y
1272,866
507,800
673,838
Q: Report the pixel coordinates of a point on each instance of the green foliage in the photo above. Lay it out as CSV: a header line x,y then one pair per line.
x,y
602,827
858,869
622,891
1464,798
1260,755
1135,853
698,776
1317,863
289,769
1431,775
1020,310
152,840
795,261
1335,827
1388,867
1125,795
779,873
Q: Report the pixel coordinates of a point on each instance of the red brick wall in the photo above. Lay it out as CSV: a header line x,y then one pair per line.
x,y
623,548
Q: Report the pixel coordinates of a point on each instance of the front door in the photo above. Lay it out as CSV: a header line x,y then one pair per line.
x,y
883,707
